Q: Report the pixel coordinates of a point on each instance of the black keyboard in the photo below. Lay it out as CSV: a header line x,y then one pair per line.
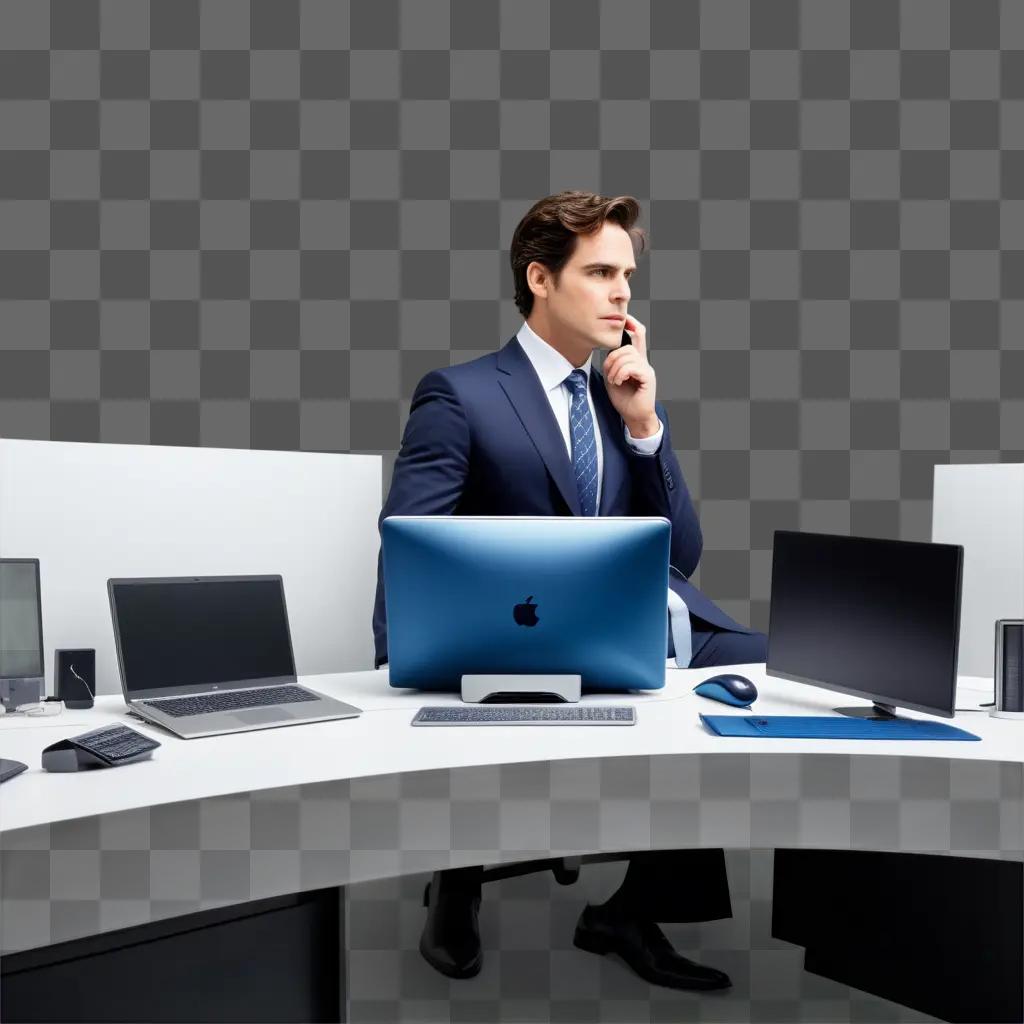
x,y
576,714
230,700
106,747
115,744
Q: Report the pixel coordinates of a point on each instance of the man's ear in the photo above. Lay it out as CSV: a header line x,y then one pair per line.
x,y
539,279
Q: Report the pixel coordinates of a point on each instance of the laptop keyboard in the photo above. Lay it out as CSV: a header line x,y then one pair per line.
x,y
230,700
576,714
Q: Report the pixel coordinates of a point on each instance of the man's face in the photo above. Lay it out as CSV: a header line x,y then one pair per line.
x,y
589,301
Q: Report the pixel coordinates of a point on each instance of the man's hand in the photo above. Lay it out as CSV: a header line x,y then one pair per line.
x,y
631,383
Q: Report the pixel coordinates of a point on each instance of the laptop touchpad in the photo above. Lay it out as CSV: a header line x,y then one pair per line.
x,y
257,716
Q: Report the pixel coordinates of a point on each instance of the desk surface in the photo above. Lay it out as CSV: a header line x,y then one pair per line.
x,y
381,743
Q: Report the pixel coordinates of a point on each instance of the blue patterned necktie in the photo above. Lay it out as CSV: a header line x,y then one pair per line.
x,y
584,444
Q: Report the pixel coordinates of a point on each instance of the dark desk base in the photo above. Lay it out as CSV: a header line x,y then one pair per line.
x,y
273,960
942,935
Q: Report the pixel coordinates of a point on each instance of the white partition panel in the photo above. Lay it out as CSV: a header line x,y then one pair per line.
x,y
982,508
94,511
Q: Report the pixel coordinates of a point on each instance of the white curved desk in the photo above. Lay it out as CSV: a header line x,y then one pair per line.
x,y
231,819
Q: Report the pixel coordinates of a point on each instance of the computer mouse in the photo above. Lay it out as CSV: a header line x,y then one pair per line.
x,y
732,689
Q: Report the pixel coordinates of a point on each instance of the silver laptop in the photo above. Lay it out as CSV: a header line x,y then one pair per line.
x,y
206,655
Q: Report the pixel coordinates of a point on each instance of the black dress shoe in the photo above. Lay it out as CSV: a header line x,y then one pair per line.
x,y
646,950
450,942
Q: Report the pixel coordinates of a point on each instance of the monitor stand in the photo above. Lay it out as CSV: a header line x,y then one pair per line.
x,y
15,691
876,712
521,689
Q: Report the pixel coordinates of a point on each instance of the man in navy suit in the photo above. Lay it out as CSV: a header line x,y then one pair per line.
x,y
534,430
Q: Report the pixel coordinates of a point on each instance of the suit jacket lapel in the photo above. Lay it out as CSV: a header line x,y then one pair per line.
x,y
614,469
519,381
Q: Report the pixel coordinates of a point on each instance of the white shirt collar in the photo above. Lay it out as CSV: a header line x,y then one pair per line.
x,y
550,365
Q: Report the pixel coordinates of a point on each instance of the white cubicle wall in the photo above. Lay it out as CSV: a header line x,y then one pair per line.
x,y
982,508
90,512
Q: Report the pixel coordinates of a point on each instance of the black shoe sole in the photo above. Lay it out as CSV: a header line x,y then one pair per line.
x,y
593,942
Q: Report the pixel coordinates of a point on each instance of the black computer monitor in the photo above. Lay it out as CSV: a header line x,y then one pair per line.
x,y
878,619
21,623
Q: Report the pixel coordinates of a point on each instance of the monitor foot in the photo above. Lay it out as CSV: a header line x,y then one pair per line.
x,y
521,689
876,712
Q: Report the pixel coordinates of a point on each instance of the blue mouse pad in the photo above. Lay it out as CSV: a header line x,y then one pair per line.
x,y
836,727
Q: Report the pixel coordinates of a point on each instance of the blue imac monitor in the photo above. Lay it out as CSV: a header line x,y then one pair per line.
x,y
526,595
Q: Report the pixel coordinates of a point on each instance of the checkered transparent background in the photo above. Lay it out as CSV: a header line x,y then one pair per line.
x,y
76,878
238,223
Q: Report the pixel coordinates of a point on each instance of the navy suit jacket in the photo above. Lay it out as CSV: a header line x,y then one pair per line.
x,y
482,440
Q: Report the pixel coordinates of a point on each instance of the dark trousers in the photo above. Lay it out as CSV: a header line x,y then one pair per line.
x,y
689,885
660,885
674,886
713,646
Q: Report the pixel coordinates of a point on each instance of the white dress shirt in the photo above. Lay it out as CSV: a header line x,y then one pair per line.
x,y
552,368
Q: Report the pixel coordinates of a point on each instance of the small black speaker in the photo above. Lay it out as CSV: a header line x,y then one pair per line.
x,y
74,674
1009,669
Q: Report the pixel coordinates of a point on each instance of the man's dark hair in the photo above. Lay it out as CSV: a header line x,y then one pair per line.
x,y
548,232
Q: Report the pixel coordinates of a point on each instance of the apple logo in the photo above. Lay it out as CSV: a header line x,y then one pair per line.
x,y
525,614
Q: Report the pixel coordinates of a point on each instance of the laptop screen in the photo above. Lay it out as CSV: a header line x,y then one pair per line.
x,y
201,633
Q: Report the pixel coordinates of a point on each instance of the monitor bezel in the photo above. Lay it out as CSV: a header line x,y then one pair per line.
x,y
877,698
192,688
39,613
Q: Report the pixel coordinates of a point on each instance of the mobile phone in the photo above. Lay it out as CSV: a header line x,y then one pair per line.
x,y
626,339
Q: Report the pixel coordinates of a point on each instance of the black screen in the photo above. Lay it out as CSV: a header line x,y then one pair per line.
x,y
877,618
201,632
